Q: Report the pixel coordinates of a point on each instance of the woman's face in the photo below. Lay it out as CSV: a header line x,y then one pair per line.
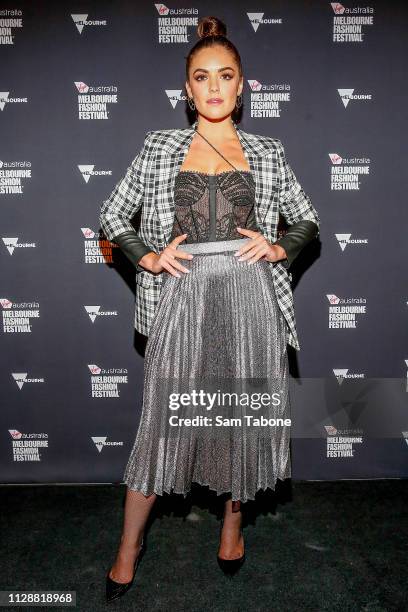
x,y
214,74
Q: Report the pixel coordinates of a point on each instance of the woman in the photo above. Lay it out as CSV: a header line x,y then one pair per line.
x,y
214,297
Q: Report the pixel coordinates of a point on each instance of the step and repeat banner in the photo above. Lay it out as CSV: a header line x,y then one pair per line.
x,y
80,85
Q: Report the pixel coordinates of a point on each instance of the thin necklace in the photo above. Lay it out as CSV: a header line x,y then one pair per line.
x,y
240,172
219,153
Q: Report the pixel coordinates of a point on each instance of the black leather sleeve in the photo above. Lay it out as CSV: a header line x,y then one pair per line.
x,y
296,237
133,246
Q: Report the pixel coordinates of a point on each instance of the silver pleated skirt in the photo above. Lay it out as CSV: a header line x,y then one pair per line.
x,y
216,329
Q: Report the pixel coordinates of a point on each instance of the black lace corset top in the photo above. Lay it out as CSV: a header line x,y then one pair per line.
x,y
209,207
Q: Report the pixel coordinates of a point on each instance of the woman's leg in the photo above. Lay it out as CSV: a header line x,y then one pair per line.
x,y
232,540
136,513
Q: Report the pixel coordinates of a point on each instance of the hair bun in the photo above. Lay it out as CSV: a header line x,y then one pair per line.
x,y
211,26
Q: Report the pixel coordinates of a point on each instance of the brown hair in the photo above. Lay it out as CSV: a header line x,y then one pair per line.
x,y
212,31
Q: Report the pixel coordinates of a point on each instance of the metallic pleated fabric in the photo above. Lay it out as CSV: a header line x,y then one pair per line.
x,y
219,321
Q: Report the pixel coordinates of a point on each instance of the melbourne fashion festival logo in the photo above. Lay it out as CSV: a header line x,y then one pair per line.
x,y
345,172
257,19
348,23
173,23
93,100
101,441
27,446
97,249
175,96
105,383
88,170
21,379
343,312
6,99
348,94
17,316
341,442
95,311
12,175
82,20
343,374
267,99
346,239
12,244
10,20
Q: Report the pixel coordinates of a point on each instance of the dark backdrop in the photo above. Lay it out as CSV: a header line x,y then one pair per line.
x,y
67,298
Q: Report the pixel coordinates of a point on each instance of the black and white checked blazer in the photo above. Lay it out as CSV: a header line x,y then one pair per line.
x,y
149,182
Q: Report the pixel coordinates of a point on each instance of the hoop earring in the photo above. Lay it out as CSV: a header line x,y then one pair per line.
x,y
238,103
191,103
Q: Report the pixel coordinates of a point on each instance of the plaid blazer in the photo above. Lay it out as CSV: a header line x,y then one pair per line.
x,y
149,183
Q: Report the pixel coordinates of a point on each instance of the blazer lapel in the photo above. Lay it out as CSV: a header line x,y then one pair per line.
x,y
176,151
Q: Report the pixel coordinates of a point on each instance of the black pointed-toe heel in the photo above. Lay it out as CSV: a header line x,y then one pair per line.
x,y
230,566
114,589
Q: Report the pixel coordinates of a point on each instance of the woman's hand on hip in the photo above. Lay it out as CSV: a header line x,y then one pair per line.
x,y
166,260
258,248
